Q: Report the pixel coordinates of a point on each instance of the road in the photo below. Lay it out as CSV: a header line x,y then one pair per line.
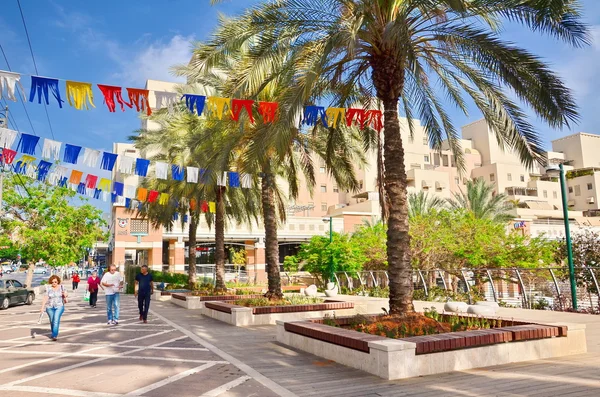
x,y
20,276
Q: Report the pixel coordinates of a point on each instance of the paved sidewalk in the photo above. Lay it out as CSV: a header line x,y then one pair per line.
x,y
92,359
181,353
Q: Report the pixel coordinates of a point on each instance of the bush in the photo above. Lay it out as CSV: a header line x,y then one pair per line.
x,y
170,278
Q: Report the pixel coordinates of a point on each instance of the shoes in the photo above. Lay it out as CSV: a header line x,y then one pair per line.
x,y
145,321
141,317
54,339
110,322
115,322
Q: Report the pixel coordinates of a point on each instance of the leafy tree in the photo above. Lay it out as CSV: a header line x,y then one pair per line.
x,y
318,254
586,254
482,202
370,241
48,222
396,51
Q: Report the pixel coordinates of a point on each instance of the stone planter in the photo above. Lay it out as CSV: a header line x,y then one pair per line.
x,y
481,310
241,316
434,354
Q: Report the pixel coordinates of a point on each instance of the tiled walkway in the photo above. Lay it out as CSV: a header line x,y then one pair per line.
x,y
131,359
181,353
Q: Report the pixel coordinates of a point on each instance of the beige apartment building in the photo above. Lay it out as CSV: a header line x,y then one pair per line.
x,y
539,211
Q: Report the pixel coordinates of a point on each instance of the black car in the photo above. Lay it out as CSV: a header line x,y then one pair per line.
x,y
13,292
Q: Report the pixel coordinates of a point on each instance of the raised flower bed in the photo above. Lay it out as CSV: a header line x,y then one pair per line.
x,y
505,341
195,302
241,316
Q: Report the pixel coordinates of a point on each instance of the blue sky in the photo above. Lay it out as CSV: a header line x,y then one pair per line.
x,y
127,42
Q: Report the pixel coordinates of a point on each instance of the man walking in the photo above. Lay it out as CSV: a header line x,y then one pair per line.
x,y
113,282
144,288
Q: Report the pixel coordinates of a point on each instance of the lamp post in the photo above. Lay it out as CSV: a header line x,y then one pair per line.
x,y
563,192
330,220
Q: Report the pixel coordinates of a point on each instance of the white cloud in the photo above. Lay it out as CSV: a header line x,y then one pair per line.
x,y
154,61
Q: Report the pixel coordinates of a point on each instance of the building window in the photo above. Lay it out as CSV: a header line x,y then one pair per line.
x,y
554,194
570,189
522,178
545,194
426,158
323,206
590,186
292,227
138,226
335,189
425,141
457,180
322,170
509,177
492,177
323,188
577,190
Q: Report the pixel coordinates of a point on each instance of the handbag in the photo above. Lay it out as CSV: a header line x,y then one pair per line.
x,y
65,300
86,297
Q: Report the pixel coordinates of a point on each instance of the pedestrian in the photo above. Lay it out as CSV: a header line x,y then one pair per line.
x,y
113,282
54,302
144,288
93,285
75,278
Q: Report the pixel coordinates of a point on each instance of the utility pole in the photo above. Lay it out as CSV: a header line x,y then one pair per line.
x,y
3,124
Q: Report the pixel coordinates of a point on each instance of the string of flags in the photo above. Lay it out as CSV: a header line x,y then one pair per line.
x,y
80,96
102,188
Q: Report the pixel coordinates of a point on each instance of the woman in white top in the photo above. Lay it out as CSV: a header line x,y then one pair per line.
x,y
54,303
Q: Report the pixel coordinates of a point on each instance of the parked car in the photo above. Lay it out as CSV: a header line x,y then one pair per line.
x,y
40,270
6,269
13,292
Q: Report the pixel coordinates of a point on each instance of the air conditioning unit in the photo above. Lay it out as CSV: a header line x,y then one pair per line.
x,y
590,200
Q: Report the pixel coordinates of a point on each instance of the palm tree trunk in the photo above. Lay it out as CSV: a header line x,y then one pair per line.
x,y
192,251
383,202
398,239
220,240
271,243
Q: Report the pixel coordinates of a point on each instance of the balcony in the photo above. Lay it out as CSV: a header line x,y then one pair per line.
x,y
513,192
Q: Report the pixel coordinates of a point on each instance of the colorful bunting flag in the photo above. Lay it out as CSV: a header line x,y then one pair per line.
x,y
7,137
43,169
237,105
164,199
152,196
27,143
118,188
41,85
129,191
9,82
335,115
194,103
75,177
246,181
222,179
108,161
110,93
8,156
141,167
90,181
166,100
212,207
51,149
126,164
142,194
355,116
162,170
139,98
234,179
192,174
204,207
177,172
90,157
312,114
374,118
71,153
80,95
104,185
268,111
81,188
215,107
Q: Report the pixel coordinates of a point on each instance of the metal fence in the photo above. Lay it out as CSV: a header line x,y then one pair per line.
x,y
540,288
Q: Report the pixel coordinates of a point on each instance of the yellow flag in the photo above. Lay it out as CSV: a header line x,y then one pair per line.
x,y
212,207
215,106
163,199
333,114
80,94
104,185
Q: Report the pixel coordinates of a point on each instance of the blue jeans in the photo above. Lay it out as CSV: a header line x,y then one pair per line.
x,y
112,306
54,314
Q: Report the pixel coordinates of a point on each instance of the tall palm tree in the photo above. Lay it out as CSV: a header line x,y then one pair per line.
x,y
396,50
480,199
423,204
182,139
278,150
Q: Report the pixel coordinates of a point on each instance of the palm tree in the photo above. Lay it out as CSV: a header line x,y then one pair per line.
x,y
396,50
182,139
423,204
277,150
481,200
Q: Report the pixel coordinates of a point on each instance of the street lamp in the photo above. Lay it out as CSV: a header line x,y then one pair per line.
x,y
553,170
330,220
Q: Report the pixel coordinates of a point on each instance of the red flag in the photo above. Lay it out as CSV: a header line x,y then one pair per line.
x,y
268,110
152,196
110,93
236,109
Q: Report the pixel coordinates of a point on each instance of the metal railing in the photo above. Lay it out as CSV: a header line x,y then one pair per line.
x,y
541,288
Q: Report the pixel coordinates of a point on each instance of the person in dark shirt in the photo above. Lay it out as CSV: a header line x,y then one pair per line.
x,y
144,288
